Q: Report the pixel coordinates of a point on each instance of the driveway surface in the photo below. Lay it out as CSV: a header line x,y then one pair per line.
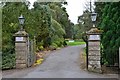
x,y
63,63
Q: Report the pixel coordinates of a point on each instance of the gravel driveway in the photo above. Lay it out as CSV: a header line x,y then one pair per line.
x,y
63,63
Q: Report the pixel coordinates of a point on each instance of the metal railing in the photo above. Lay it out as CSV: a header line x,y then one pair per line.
x,y
31,53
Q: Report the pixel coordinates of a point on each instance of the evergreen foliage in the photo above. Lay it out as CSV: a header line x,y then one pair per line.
x,y
110,24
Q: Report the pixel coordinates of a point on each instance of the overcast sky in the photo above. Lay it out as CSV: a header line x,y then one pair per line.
x,y
74,8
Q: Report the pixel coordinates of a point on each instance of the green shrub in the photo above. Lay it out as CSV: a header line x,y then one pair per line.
x,y
58,43
57,40
41,48
8,60
54,45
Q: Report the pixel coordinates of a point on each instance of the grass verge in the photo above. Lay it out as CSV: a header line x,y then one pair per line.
x,y
75,43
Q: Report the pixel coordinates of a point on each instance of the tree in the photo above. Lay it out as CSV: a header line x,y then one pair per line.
x,y
110,24
78,31
99,10
56,12
43,17
59,13
58,32
85,21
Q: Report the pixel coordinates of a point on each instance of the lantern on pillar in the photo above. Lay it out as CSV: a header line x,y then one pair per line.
x,y
93,47
21,21
93,18
21,45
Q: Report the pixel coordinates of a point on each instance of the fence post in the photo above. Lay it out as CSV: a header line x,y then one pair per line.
x,y
119,57
87,54
34,48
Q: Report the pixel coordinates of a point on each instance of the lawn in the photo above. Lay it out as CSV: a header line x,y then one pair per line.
x,y
75,43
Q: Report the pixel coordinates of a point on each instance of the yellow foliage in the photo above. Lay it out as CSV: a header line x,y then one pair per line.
x,y
39,61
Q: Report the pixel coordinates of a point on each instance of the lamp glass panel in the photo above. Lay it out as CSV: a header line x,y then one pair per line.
x,y
93,16
21,20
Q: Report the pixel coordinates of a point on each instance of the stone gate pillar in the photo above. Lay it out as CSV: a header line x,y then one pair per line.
x,y
94,55
21,48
